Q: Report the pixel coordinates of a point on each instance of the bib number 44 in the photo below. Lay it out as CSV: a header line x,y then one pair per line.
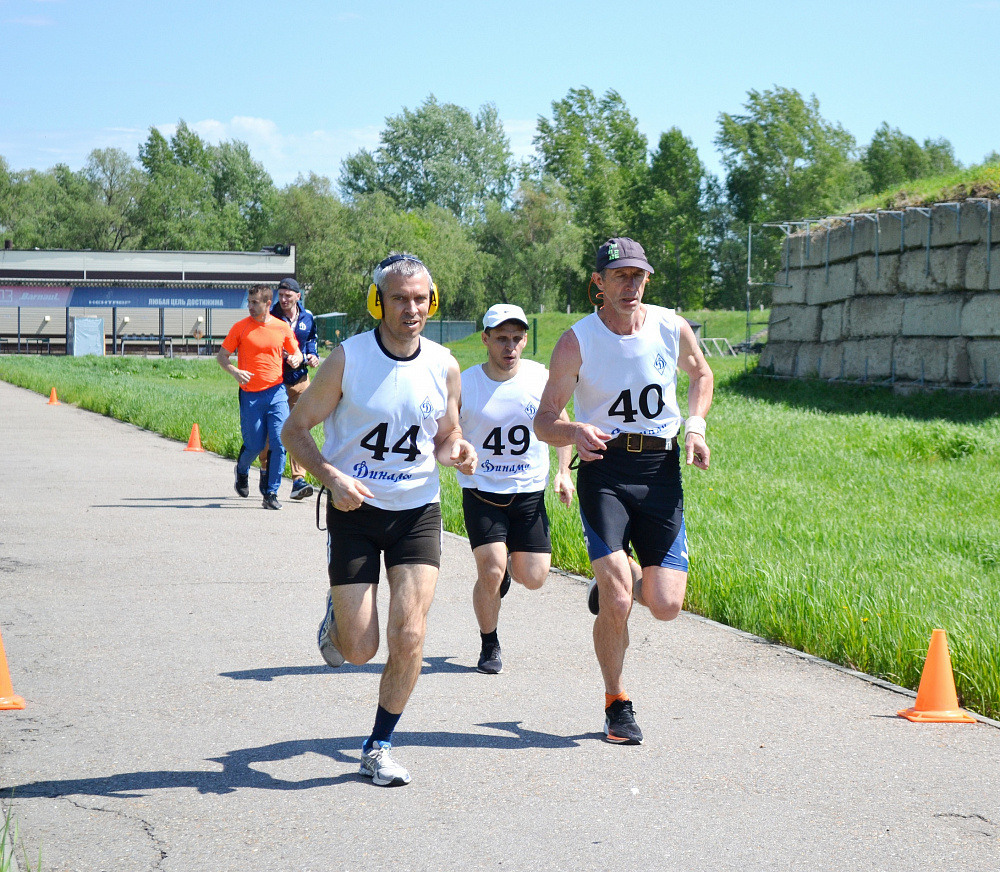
x,y
377,442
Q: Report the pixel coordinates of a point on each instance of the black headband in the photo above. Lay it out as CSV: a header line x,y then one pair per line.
x,y
395,258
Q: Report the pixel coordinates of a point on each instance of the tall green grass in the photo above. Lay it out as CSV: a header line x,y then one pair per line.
x,y
10,842
843,520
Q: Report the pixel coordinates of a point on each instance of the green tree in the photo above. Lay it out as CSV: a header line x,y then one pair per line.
x,y
35,209
593,147
203,196
177,209
940,155
784,160
7,199
309,214
116,185
244,196
892,158
531,250
672,223
437,154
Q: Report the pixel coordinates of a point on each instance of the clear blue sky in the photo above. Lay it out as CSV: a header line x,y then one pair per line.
x,y
306,83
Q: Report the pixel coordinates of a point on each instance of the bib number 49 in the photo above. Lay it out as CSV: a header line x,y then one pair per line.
x,y
650,404
518,436
377,442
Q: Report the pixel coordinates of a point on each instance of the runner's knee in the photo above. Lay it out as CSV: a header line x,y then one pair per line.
x,y
357,649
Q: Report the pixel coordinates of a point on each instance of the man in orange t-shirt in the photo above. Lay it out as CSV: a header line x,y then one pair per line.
x,y
261,344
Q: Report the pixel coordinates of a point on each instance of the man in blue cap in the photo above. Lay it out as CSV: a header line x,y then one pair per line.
x,y
296,379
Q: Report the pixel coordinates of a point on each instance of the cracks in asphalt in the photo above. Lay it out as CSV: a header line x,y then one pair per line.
x,y
972,823
156,843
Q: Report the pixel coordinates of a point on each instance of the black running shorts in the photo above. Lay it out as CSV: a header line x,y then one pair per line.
x,y
634,499
356,539
520,520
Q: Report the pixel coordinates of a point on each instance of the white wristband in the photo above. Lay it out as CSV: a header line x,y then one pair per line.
x,y
694,424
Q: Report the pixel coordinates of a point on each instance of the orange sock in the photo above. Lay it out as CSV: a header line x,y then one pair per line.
x,y
608,698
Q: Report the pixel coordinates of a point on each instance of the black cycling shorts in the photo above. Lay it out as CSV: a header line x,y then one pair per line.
x,y
356,539
634,499
520,520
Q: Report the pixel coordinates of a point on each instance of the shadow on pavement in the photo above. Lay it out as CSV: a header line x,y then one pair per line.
x,y
432,666
238,766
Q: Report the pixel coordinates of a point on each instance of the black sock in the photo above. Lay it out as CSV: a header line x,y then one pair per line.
x,y
385,723
490,638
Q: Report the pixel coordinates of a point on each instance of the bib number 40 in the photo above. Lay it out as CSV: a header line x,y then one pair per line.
x,y
377,442
650,404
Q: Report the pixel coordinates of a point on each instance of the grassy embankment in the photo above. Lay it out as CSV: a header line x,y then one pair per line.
x,y
845,521
975,181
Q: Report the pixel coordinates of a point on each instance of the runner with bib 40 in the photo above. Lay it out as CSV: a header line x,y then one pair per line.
x,y
620,364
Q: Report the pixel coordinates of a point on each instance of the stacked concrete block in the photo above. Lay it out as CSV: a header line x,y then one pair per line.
x,y
875,316
921,359
875,300
981,315
975,268
938,315
795,323
868,358
877,275
984,361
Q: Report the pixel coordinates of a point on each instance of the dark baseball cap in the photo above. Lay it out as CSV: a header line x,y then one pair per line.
x,y
291,284
622,251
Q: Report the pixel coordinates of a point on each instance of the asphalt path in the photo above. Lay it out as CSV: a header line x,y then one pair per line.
x,y
163,633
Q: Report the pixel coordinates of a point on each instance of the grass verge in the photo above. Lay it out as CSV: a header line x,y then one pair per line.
x,y
845,521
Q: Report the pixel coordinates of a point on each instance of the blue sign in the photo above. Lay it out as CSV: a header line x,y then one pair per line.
x,y
159,298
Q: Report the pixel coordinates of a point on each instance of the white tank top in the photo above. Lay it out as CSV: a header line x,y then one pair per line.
x,y
628,384
498,419
382,431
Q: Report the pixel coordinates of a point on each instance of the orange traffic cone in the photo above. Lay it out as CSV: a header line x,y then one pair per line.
x,y
937,702
194,443
8,699
53,399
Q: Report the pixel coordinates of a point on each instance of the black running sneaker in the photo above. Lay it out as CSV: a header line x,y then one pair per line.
x,y
619,724
301,489
505,584
489,660
242,484
593,602
271,502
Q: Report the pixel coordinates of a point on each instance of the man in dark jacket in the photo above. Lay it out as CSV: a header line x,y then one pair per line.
x,y
296,379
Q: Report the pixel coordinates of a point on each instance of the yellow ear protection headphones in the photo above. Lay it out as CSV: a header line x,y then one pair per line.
x,y
375,295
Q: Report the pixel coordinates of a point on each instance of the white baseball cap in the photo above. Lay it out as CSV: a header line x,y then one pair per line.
x,y
501,312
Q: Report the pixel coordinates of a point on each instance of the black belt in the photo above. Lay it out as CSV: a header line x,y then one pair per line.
x,y
636,443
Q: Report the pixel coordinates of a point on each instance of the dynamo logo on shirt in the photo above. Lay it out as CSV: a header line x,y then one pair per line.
x,y
361,471
513,468
426,408
659,363
530,410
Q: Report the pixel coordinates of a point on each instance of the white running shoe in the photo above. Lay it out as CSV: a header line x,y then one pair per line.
x,y
329,651
377,765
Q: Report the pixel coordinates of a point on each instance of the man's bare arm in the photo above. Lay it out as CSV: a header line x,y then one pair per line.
x,y
552,425
700,389
319,402
242,376
449,446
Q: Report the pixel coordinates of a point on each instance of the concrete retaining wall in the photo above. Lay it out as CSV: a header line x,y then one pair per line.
x,y
913,296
